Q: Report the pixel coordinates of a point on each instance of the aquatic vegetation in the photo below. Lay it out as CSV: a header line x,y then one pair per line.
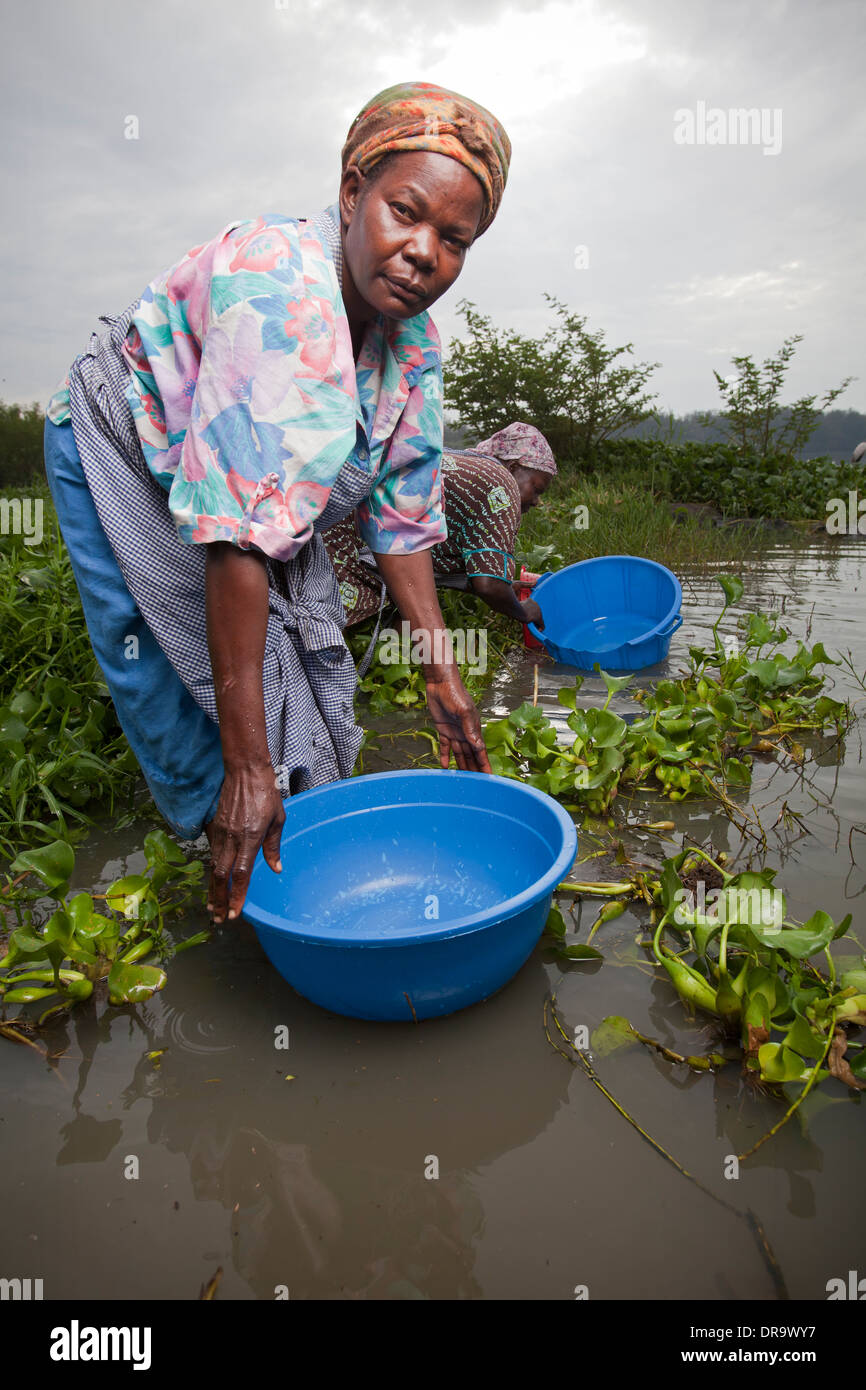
x,y
751,968
397,687
739,959
698,734
740,483
62,751
78,945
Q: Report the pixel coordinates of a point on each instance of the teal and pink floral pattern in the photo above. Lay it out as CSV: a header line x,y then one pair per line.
x,y
247,400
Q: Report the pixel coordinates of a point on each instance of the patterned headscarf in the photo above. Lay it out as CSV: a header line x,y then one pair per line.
x,y
422,116
520,444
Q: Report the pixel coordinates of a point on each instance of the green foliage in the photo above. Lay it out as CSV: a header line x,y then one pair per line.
x,y
397,687
755,973
738,484
567,383
21,449
695,735
78,945
63,754
754,419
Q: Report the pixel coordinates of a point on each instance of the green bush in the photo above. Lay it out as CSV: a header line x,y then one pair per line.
x,y
21,458
738,484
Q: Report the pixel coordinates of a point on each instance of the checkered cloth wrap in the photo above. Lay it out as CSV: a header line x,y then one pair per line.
x,y
309,678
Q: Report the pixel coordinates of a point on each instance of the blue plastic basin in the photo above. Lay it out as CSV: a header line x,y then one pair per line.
x,y
618,610
404,891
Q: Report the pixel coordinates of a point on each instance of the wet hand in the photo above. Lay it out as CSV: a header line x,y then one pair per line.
x,y
533,612
456,719
250,815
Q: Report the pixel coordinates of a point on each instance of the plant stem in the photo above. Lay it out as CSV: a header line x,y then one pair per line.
x,y
801,1097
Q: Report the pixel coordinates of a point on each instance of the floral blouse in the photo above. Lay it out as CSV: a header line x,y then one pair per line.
x,y
247,399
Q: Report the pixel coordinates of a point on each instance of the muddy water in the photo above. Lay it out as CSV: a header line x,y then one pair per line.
x,y
317,1185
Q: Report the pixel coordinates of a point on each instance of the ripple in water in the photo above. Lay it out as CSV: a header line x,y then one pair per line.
x,y
193,1034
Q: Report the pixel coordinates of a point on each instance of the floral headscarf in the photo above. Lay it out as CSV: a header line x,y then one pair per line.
x,y
519,443
422,116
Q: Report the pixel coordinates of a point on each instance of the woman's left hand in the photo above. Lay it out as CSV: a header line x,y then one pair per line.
x,y
456,718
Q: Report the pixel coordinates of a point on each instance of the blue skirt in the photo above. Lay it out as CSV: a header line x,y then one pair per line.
x,y
177,745
137,580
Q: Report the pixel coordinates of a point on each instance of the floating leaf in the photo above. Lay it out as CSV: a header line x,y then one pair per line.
x,y
779,1063
802,1037
130,984
555,924
53,863
527,715
158,848
27,994
80,910
733,588
126,895
612,1034
606,729
613,683
580,952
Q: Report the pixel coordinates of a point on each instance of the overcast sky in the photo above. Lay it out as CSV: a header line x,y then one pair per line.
x,y
696,251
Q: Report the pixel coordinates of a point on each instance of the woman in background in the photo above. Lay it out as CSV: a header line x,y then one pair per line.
x,y
485,492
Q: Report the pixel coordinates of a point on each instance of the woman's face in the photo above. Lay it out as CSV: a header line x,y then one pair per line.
x,y
407,231
531,483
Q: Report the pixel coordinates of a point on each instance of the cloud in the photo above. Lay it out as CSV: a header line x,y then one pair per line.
x,y
243,106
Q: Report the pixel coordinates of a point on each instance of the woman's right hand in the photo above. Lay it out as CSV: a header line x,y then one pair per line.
x,y
533,612
250,814
250,811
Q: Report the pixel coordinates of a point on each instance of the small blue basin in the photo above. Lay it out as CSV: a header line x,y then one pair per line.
x,y
410,894
618,610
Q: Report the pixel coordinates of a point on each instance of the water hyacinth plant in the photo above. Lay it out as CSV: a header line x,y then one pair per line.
x,y
698,733
78,945
752,968
735,957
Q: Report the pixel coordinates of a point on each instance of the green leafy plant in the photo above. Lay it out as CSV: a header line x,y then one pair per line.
x,y
734,956
79,945
738,482
753,969
567,383
753,416
696,734
62,751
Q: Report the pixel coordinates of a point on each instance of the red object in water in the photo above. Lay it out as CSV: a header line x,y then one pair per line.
x,y
523,593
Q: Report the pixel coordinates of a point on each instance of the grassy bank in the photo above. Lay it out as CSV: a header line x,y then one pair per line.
x,y
623,516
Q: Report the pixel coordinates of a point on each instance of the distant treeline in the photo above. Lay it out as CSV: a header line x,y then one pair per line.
x,y
836,436
21,430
